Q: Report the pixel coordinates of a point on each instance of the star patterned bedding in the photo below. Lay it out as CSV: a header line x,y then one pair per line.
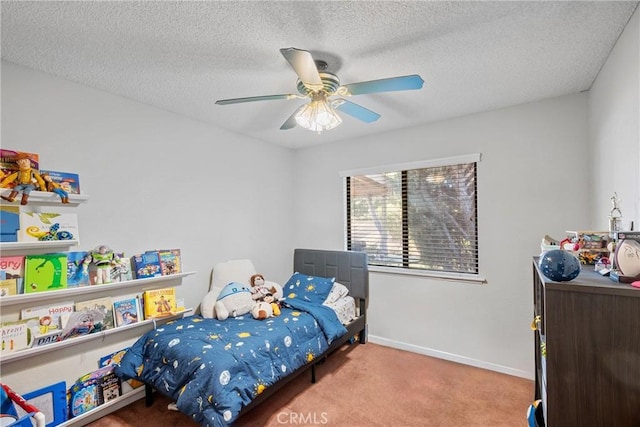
x,y
213,368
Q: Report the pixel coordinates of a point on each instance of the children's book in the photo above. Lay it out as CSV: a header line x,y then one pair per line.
x,y
76,276
69,182
121,271
40,226
93,390
146,265
8,287
170,261
126,310
9,223
104,305
159,302
45,272
8,163
50,317
17,335
12,267
82,323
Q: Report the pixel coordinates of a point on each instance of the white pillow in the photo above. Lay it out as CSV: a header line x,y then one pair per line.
x,y
338,290
238,270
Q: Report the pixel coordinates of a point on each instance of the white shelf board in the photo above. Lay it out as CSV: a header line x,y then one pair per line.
x,y
40,197
30,352
45,245
82,290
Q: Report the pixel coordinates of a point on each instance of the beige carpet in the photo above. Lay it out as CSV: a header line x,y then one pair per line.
x,y
373,385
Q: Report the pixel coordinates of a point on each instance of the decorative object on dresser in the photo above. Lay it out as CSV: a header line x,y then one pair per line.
x,y
587,339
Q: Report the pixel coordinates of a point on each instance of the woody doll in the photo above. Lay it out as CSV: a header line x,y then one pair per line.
x,y
25,179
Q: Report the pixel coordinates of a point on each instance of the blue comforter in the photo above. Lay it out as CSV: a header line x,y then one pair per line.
x,y
214,368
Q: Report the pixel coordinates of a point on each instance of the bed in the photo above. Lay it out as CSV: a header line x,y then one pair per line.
x,y
217,370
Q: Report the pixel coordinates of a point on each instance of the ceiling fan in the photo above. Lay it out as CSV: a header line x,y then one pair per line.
x,y
326,93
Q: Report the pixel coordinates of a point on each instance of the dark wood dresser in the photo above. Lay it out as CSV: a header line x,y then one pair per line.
x,y
590,327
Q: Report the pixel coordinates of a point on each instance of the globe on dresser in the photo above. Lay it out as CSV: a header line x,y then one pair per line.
x,y
559,265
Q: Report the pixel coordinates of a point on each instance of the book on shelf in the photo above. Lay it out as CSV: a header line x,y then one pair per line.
x,y
12,267
69,182
146,265
159,302
121,270
10,220
92,390
17,335
45,272
50,317
43,226
127,310
170,261
83,322
8,163
8,287
104,305
76,276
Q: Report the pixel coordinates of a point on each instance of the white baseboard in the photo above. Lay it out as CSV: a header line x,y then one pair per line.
x,y
449,356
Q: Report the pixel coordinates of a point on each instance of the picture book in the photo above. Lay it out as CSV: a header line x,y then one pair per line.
x,y
39,226
45,272
76,276
12,267
126,310
47,338
159,302
146,265
170,261
17,335
104,305
8,163
9,223
93,390
83,322
50,317
69,182
8,287
121,271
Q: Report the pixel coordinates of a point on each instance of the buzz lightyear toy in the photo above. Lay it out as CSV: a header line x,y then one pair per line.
x,y
102,258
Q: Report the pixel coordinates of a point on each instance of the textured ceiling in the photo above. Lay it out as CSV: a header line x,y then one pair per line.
x,y
183,56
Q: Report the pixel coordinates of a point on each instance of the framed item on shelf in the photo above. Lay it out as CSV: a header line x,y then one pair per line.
x,y
51,401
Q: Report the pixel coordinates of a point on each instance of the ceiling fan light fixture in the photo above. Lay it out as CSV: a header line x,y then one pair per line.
x,y
317,115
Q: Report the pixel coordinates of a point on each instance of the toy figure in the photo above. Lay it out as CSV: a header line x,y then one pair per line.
x,y
25,180
259,289
54,187
103,258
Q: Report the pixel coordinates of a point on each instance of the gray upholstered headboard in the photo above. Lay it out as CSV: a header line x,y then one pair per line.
x,y
348,267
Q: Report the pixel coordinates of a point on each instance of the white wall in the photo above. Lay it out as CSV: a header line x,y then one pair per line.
x,y
527,187
155,180
614,130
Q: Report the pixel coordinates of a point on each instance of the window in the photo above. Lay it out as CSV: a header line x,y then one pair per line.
x,y
419,216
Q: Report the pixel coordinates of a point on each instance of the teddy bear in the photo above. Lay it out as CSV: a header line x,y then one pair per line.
x,y
234,300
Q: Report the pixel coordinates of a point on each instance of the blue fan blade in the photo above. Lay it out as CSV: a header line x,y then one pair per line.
x,y
255,98
386,85
357,111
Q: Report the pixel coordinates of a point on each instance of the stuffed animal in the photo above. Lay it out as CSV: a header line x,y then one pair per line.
x,y
262,310
260,288
234,300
